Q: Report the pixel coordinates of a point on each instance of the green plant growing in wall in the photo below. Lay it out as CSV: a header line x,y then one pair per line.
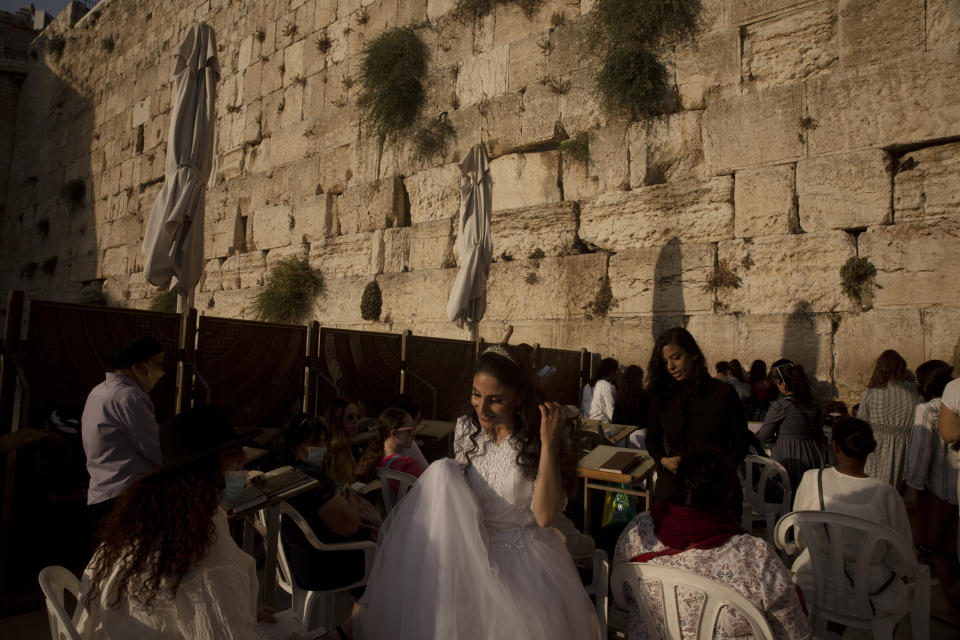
x,y
470,10
431,139
166,302
74,192
722,277
108,44
857,279
603,301
290,289
577,148
92,295
391,74
371,302
632,80
55,46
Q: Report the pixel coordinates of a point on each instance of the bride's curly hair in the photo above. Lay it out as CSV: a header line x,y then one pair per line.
x,y
160,528
513,369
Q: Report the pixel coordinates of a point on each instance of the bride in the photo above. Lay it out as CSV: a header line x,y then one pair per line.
x,y
469,553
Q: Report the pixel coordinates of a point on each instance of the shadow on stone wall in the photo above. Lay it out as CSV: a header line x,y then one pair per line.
x,y
668,298
801,344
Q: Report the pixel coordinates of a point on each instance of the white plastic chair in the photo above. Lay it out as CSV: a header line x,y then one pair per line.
x,y
315,608
850,603
755,506
716,596
55,581
599,588
404,481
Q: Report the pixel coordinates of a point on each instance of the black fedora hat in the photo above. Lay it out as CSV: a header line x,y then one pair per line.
x,y
199,432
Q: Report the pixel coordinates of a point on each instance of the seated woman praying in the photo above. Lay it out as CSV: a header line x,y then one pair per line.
x,y
335,515
690,532
347,462
167,566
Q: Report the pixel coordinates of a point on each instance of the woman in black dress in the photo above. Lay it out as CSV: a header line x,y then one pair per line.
x,y
689,408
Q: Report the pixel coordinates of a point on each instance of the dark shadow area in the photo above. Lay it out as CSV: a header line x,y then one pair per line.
x,y
801,344
669,306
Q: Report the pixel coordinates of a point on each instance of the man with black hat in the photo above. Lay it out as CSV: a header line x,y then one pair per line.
x,y
119,427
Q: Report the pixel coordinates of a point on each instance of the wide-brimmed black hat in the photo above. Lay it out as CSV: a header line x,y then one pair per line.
x,y
199,432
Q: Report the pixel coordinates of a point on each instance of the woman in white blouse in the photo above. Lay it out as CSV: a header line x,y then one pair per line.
x,y
600,396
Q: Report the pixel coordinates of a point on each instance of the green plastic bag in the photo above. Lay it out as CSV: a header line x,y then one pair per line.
x,y
618,510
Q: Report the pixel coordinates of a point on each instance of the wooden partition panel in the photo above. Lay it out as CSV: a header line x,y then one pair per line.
x,y
362,365
564,385
255,369
69,345
444,365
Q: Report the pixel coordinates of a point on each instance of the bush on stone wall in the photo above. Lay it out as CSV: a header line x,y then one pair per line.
x,y
577,147
431,139
291,287
392,72
856,279
371,303
166,302
55,46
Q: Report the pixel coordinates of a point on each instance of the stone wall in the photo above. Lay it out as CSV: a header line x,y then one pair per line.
x,y
809,132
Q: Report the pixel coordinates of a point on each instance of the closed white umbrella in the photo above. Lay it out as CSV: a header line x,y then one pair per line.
x,y
468,298
173,243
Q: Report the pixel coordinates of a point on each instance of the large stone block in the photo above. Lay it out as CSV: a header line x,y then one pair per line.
x,y
925,185
940,333
341,302
372,206
765,201
431,245
434,194
539,113
580,107
790,47
690,211
748,10
243,270
316,217
918,263
271,227
662,280
777,272
344,256
396,250
844,191
527,63
666,149
902,102
608,168
520,232
559,288
875,30
708,67
483,76
525,180
862,337
943,23
417,296
499,125
716,334
797,334
753,129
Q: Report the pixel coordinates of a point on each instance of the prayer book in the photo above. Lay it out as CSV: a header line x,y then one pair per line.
x,y
287,626
279,481
250,497
621,462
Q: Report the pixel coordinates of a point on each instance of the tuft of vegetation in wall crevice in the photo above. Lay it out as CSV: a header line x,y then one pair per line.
x,y
603,300
857,280
371,302
289,291
166,302
55,46
391,75
432,138
472,10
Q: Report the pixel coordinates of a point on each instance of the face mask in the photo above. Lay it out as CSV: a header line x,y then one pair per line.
x,y
236,480
315,455
148,376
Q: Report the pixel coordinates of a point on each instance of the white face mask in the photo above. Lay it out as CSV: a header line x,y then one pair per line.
x,y
148,376
315,455
236,481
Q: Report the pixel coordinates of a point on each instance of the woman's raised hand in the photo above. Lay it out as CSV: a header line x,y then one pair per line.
x,y
552,418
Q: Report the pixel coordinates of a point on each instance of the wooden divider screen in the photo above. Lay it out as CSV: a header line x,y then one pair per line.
x,y
362,365
447,366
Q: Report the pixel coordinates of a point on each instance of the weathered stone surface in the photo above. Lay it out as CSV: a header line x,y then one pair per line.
x,y
437,8
764,201
527,63
800,335
925,185
716,335
861,338
906,101
790,47
746,10
665,149
418,296
691,211
708,67
753,129
844,191
608,167
434,194
344,256
341,302
230,304
243,270
662,280
483,76
316,217
785,271
876,30
372,206
580,107
561,288
525,180
520,232
396,250
271,226
431,245
940,335
943,23
918,263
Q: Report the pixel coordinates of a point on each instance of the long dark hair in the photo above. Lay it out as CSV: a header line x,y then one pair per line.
x,y
890,366
663,385
515,371
854,437
160,528
795,380
604,369
334,420
302,428
631,395
932,377
758,372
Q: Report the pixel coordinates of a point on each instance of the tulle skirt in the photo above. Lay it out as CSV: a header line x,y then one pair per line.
x,y
439,573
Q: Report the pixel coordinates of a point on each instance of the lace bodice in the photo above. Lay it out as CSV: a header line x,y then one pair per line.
x,y
504,493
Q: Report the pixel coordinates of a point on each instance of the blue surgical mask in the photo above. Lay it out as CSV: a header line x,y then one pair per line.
x,y
315,455
236,481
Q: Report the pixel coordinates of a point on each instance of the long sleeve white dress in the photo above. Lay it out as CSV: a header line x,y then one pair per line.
x,y
462,556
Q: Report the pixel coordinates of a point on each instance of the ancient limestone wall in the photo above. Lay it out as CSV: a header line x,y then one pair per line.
x,y
808,132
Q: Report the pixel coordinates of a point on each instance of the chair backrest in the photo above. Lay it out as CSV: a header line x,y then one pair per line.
x,y
716,596
599,588
830,537
55,581
754,495
404,481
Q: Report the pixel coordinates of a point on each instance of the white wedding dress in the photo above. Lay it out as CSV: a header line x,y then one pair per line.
x,y
462,557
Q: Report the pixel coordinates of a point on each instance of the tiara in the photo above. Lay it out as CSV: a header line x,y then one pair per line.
x,y
501,351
